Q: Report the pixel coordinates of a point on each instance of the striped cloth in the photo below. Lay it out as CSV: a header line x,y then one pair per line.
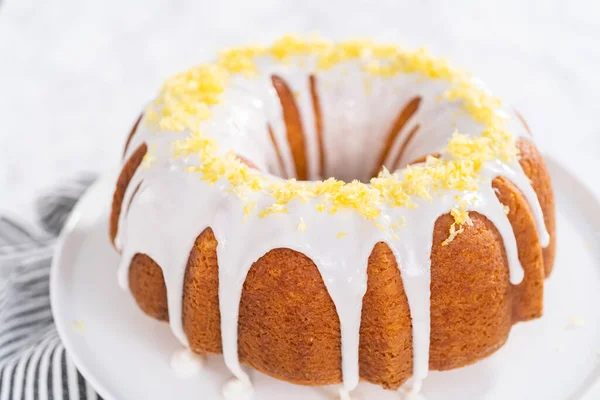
x,y
33,361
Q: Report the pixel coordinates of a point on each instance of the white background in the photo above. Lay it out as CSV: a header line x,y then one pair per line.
x,y
75,74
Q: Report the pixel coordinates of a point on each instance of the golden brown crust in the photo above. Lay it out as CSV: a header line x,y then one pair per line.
x,y
422,159
147,286
289,328
385,351
277,150
293,123
131,133
201,316
135,191
534,167
525,124
318,124
403,146
124,178
288,324
527,297
404,115
470,294
247,162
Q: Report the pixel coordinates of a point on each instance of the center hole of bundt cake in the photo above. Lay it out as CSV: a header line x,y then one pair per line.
x,y
385,144
348,143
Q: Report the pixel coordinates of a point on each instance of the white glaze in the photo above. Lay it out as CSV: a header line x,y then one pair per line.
x,y
177,206
235,389
414,392
185,363
344,394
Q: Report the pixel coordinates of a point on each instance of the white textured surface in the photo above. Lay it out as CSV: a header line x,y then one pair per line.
x,y
74,74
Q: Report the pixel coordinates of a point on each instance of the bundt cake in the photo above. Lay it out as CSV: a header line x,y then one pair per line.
x,y
333,212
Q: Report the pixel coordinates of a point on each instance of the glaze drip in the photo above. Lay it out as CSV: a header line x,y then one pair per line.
x,y
340,124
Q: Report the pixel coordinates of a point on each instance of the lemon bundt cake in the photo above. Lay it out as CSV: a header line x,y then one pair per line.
x,y
334,212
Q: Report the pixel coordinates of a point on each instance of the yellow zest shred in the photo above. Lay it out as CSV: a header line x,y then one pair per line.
x,y
273,209
342,234
79,325
301,225
249,207
400,224
461,217
186,100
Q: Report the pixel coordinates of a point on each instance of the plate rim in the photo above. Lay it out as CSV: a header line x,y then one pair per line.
x,y
57,313
76,215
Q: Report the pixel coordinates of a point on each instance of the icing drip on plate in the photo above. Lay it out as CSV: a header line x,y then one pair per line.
x,y
186,364
204,119
235,389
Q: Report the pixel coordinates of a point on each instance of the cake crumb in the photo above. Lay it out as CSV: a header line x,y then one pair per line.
x,y
576,322
79,325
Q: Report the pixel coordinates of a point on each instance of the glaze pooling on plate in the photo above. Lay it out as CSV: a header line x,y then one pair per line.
x,y
208,119
185,363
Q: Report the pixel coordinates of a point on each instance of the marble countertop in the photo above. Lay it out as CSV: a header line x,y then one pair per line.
x,y
74,74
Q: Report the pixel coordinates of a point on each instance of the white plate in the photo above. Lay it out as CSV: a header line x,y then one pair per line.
x,y
125,355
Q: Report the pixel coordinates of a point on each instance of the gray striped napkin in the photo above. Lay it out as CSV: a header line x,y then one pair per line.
x,y
33,361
